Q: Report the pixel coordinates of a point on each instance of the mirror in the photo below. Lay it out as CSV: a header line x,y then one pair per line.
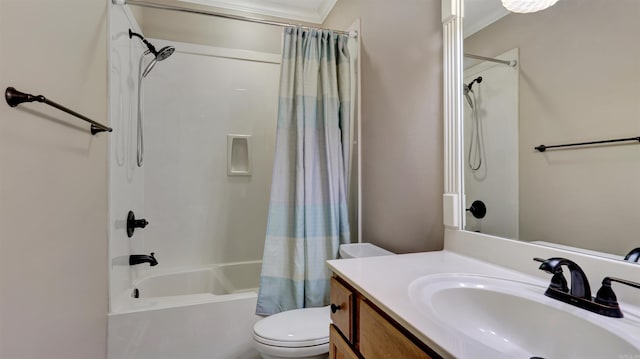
x,y
575,77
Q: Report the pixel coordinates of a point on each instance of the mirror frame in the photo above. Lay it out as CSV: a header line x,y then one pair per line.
x,y
453,197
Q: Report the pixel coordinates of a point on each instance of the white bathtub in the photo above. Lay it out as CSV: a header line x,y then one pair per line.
x,y
204,312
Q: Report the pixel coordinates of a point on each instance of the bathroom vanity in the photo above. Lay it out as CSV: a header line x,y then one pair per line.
x,y
482,296
446,305
360,327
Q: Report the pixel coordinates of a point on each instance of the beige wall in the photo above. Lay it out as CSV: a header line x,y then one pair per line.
x,y
53,181
402,129
579,78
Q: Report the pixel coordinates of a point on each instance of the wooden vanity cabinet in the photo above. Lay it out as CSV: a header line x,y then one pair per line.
x,y
362,330
339,347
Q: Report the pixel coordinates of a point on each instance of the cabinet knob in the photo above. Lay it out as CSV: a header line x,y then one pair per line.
x,y
334,308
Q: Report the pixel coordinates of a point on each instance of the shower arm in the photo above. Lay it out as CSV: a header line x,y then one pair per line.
x,y
151,48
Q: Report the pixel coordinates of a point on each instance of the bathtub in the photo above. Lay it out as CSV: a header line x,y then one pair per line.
x,y
188,313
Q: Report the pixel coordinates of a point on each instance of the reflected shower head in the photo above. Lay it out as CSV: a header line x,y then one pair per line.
x,y
158,55
468,88
476,80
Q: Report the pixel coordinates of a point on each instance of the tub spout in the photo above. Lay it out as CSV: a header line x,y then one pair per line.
x,y
143,258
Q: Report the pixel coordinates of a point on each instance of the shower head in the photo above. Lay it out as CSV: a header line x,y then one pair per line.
x,y
476,80
165,52
468,88
158,55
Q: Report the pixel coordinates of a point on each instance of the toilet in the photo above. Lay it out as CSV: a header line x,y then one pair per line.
x,y
304,333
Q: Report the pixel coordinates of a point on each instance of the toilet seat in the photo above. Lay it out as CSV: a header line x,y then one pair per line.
x,y
298,328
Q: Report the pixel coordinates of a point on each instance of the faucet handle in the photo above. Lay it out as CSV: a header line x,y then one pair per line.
x,y
633,256
605,294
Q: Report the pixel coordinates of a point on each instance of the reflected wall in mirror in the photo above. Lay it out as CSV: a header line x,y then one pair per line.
x,y
577,79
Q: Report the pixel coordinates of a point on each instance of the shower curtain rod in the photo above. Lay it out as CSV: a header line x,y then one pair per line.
x,y
222,15
511,63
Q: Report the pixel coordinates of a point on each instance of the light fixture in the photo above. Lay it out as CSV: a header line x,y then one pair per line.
x,y
526,6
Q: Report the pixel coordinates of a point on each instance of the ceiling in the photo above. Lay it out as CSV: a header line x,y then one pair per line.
x,y
313,11
481,13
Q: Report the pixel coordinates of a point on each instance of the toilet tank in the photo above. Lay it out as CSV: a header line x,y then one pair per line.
x,y
357,250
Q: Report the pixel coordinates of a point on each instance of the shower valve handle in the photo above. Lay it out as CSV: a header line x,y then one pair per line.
x,y
478,209
140,223
133,223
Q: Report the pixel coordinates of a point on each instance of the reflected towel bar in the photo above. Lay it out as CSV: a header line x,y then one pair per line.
x,y
15,97
543,148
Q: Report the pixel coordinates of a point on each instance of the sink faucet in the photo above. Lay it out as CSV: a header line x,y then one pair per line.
x,y
633,256
143,258
579,283
605,302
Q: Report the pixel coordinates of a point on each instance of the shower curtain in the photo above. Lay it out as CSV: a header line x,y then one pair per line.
x,y
308,211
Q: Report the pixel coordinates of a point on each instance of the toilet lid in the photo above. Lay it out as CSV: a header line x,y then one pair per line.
x,y
295,328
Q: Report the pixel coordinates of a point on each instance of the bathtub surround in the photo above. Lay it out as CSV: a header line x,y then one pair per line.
x,y
126,180
206,227
192,100
308,211
199,214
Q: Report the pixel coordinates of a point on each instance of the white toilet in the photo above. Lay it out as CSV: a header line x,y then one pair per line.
x,y
304,333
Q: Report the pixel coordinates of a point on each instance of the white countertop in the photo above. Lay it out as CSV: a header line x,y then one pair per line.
x,y
385,281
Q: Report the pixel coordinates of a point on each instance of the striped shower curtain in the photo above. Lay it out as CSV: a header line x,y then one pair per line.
x,y
308,212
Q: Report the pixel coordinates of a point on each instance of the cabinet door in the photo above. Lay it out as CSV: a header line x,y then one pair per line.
x,y
338,347
379,339
341,312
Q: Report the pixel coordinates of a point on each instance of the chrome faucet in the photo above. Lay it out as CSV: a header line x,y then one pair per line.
x,y
605,302
143,258
633,256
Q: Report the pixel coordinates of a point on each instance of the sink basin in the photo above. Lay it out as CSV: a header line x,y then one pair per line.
x,y
498,318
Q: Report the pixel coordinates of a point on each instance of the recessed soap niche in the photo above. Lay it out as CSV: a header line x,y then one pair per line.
x,y
239,155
